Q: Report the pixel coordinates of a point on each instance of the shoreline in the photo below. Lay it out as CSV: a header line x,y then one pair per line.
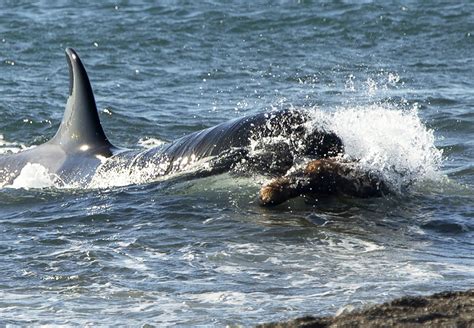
x,y
445,309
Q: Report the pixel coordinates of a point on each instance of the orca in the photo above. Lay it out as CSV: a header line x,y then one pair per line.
x,y
80,148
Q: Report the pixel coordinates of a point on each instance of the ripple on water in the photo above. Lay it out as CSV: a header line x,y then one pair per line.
x,y
201,252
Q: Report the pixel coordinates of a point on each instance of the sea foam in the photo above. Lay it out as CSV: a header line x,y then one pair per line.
x,y
386,140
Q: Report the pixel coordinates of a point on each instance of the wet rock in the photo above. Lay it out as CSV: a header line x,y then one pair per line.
x,y
447,309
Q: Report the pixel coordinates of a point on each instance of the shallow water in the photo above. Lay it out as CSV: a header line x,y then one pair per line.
x,y
393,80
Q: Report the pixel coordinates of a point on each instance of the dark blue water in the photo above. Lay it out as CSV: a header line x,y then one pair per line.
x,y
394,80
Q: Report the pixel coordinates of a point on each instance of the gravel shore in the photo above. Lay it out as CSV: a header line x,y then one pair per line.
x,y
447,309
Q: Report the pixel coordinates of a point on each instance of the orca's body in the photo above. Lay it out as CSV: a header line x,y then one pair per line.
x,y
80,146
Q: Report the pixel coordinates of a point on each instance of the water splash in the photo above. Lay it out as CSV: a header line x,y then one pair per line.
x,y
116,171
386,140
383,139
150,142
35,176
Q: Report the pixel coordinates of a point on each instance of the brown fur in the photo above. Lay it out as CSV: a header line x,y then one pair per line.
x,y
322,177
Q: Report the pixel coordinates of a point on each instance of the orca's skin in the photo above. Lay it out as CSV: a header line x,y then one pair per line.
x,y
80,145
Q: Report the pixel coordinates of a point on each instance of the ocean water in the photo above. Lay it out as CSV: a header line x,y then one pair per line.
x,y
394,80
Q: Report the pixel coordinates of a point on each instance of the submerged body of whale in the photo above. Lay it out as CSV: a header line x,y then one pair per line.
x,y
80,146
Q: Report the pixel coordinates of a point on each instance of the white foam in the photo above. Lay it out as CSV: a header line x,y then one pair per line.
x,y
150,142
387,140
224,297
34,175
10,147
115,172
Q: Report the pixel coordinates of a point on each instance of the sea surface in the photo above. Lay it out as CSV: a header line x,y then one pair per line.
x,y
394,79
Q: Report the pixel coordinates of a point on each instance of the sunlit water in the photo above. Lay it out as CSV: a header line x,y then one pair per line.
x,y
393,81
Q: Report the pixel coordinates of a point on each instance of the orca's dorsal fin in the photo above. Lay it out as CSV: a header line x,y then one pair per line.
x,y
80,129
